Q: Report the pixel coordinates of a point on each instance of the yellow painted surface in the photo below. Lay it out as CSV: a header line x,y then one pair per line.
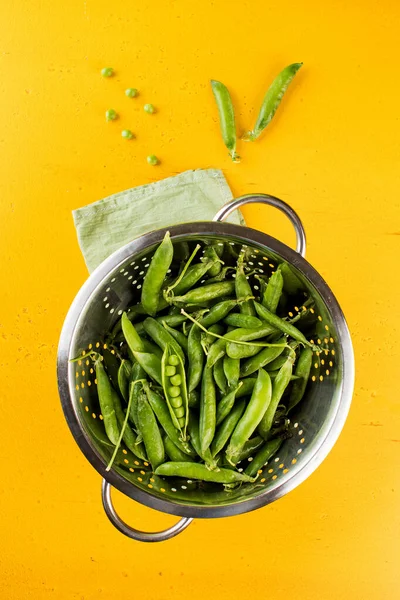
x,y
332,152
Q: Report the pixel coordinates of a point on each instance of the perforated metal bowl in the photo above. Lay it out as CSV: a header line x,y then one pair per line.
x,y
315,425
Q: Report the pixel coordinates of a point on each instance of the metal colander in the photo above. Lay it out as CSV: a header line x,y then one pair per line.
x,y
315,424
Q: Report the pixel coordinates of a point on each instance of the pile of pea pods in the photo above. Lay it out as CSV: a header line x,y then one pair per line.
x,y
204,371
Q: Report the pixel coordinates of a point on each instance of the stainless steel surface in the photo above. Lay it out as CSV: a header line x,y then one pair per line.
x,y
316,424
229,207
136,534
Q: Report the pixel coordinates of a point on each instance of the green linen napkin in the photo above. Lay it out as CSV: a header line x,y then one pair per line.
x,y
106,225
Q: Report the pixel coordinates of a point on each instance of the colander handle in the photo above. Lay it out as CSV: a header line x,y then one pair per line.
x,y
229,207
136,534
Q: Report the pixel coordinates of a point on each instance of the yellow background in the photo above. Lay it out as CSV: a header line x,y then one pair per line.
x,y
332,152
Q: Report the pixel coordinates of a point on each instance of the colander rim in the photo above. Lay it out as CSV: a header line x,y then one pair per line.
x,y
245,235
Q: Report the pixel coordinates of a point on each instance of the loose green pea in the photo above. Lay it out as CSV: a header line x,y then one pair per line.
x,y
149,108
127,134
131,92
107,72
170,371
152,160
111,115
176,380
173,360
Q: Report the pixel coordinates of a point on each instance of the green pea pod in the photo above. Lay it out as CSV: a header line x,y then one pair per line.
x,y
243,288
207,409
221,275
104,391
210,253
238,351
231,368
178,336
219,376
193,427
194,399
174,453
192,276
245,335
163,415
242,320
151,434
175,389
129,437
226,403
198,471
171,320
208,339
133,339
205,293
247,387
133,313
279,361
152,348
218,312
262,456
272,100
279,385
302,370
265,356
256,408
273,291
226,428
250,447
156,273
162,337
196,358
151,364
291,283
135,389
124,373
111,364
226,117
280,324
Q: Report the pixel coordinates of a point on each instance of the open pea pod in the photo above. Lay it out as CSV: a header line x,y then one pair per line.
x,y
175,389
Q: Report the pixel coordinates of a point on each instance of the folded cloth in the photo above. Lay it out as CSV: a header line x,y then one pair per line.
x,y
106,225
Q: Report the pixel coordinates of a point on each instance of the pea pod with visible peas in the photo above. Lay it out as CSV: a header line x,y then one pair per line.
x,y
272,100
226,117
198,471
156,273
175,390
255,410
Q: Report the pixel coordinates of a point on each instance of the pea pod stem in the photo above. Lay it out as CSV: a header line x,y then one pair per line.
x,y
187,265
